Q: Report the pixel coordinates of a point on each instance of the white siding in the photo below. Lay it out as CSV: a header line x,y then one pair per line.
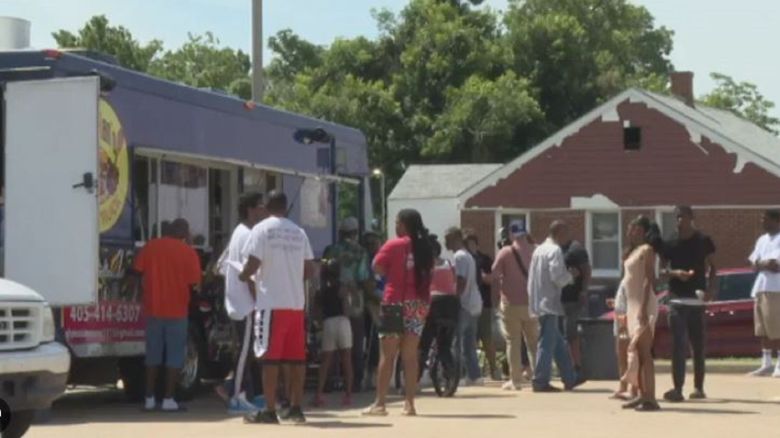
x,y
437,214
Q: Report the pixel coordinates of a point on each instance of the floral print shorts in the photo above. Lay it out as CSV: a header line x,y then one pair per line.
x,y
414,313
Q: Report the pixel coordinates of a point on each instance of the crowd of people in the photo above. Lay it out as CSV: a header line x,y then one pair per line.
x,y
377,302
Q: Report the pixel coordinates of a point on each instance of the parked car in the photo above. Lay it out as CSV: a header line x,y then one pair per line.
x,y
33,366
729,318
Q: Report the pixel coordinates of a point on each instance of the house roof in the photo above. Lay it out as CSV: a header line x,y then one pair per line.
x,y
440,180
736,135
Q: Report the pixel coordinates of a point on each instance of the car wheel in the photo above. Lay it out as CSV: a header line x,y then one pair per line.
x,y
20,422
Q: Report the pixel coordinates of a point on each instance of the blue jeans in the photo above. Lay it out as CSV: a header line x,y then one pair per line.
x,y
552,346
467,332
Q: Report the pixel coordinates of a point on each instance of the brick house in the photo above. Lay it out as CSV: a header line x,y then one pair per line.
x,y
638,153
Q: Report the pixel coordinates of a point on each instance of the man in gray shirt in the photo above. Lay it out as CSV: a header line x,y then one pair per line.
x,y
471,305
546,278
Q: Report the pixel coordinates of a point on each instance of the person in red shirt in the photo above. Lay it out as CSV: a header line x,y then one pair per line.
x,y
169,268
406,262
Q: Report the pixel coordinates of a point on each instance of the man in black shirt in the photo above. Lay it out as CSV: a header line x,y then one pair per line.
x,y
692,277
574,296
485,328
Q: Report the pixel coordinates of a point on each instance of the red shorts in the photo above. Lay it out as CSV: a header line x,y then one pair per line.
x,y
287,337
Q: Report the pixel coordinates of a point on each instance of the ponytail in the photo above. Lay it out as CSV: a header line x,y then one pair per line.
x,y
422,250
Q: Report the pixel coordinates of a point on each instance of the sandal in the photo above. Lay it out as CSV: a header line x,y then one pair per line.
x,y
619,396
375,411
648,406
407,412
633,404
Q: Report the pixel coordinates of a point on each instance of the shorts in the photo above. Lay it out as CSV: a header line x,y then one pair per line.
x,y
286,338
166,342
569,322
414,313
485,326
336,334
767,315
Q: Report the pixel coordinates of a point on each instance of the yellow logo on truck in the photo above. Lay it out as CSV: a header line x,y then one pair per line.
x,y
114,178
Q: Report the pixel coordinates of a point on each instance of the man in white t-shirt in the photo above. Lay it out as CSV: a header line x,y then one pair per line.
x,y
470,303
766,291
240,303
280,250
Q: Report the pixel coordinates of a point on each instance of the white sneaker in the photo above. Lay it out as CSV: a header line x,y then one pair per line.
x,y
150,404
170,405
510,386
240,406
762,372
776,374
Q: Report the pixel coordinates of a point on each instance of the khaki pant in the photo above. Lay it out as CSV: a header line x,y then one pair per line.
x,y
767,315
516,324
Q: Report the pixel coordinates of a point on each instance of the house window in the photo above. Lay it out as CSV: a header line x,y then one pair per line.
x,y
507,219
605,242
632,138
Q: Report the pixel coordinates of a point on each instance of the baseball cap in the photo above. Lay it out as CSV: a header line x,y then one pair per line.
x,y
349,225
517,228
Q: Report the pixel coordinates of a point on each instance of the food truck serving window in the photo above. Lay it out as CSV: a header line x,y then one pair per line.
x,y
183,193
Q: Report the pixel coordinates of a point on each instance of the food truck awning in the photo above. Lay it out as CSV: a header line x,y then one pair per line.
x,y
161,115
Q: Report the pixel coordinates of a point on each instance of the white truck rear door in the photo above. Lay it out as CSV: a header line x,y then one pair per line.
x,y
51,201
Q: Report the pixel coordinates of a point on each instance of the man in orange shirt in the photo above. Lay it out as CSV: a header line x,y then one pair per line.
x,y
170,269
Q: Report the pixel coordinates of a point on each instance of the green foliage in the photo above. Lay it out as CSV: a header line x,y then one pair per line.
x,y
99,36
744,99
579,53
201,63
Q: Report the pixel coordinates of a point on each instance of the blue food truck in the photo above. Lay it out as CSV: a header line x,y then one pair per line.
x,y
96,159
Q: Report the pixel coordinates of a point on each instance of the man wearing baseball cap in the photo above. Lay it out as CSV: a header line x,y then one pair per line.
x,y
355,282
510,285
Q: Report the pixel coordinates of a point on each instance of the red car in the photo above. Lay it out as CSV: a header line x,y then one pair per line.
x,y
729,318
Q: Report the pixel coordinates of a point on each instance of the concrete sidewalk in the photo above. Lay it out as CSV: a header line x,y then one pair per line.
x,y
739,406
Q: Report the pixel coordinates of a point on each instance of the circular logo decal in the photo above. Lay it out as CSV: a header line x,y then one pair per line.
x,y
114,176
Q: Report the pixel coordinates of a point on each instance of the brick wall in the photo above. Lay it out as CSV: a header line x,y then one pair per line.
x,y
483,224
734,233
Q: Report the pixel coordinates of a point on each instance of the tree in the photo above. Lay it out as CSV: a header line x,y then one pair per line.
x,y
201,63
117,41
743,99
578,53
483,119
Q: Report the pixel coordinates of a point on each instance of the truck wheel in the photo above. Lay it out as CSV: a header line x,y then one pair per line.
x,y
132,372
20,422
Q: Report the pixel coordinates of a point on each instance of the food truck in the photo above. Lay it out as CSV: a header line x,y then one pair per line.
x,y
96,159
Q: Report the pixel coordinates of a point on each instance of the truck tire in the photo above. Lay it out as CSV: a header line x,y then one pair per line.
x,y
20,422
132,372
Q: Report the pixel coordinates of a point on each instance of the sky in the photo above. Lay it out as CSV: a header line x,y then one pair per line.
x,y
710,35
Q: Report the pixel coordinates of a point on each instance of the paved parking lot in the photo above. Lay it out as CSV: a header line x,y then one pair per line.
x,y
739,406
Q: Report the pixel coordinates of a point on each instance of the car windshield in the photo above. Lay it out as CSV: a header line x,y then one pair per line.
x,y
736,286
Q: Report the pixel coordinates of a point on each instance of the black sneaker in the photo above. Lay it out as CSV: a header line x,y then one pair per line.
x,y
294,415
262,417
674,396
546,389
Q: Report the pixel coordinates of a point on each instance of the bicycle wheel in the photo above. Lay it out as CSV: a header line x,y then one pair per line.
x,y
445,381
